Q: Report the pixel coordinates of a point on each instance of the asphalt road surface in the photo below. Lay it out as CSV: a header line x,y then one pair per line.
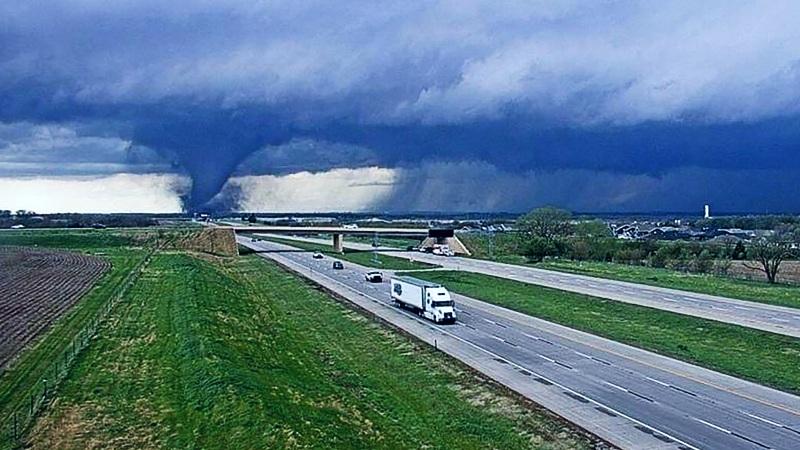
x,y
630,397
775,319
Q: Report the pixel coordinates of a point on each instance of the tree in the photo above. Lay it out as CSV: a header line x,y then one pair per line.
x,y
252,218
580,249
537,248
768,253
739,251
702,263
547,223
661,257
592,228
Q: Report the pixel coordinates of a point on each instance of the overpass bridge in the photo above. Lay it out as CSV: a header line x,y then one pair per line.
x,y
430,235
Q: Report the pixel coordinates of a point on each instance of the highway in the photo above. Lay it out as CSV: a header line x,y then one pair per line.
x,y
775,319
630,397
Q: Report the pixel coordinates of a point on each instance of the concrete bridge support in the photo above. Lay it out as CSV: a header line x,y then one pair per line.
x,y
337,243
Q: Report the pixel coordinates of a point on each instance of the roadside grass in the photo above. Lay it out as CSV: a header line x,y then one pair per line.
x,y
777,294
239,354
364,258
763,357
34,363
397,242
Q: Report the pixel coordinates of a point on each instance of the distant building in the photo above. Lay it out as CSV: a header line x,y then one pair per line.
x,y
707,212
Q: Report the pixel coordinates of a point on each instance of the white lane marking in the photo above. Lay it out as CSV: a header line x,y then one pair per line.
x,y
780,425
582,354
530,336
716,427
616,386
658,381
546,358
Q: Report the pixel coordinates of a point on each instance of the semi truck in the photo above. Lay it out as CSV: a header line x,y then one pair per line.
x,y
430,300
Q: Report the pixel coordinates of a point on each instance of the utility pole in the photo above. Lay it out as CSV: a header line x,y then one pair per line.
x,y
375,245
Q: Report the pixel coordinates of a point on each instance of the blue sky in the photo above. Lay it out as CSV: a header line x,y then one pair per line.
x,y
453,105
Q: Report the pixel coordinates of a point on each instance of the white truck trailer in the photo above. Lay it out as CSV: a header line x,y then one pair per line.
x,y
429,300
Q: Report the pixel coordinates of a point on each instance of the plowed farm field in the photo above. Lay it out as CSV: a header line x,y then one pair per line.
x,y
38,286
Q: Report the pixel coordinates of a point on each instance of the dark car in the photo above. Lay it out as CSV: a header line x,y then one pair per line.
x,y
338,265
317,255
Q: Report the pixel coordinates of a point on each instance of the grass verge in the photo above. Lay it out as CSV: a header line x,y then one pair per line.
x,y
209,353
397,242
763,357
361,257
778,294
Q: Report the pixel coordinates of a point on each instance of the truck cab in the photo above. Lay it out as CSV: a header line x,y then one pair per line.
x,y
439,306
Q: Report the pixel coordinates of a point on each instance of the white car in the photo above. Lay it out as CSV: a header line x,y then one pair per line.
x,y
374,277
317,255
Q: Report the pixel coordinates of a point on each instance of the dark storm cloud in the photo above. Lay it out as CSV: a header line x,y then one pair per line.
x,y
66,149
216,88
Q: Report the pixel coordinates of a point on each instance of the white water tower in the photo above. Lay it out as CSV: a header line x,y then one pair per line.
x,y
707,212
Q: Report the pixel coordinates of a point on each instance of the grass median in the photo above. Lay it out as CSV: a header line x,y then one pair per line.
x,y
238,353
763,357
775,294
361,257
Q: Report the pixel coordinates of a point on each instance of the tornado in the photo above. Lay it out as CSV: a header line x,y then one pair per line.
x,y
210,145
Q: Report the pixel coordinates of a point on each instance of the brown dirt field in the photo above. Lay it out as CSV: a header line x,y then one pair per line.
x,y
789,272
215,241
37,287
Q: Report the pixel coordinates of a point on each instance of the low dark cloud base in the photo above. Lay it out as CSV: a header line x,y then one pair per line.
x,y
220,88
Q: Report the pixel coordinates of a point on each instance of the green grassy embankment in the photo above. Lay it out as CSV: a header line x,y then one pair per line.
x,y
237,353
364,258
775,294
397,242
23,376
763,357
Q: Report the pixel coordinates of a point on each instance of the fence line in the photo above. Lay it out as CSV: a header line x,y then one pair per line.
x,y
15,425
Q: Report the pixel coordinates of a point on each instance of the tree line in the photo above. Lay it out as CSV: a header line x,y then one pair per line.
x,y
551,232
